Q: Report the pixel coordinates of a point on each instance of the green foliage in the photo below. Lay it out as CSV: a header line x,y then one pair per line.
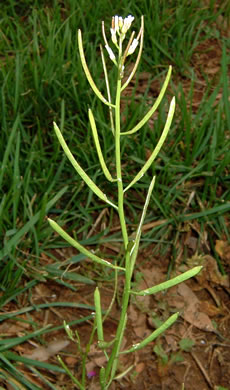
x,y
159,351
186,344
221,388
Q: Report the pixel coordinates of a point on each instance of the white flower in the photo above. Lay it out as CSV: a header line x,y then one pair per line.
x,y
120,23
110,52
116,26
127,23
114,35
133,46
120,26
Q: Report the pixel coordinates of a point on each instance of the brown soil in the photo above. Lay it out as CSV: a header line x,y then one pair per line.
x,y
203,325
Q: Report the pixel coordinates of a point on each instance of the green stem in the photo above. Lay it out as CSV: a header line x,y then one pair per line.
x,y
113,360
118,162
120,330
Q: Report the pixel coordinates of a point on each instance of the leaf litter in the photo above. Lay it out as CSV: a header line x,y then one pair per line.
x,y
44,353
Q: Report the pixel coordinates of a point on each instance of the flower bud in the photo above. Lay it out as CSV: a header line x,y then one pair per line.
x,y
110,52
126,24
113,35
133,46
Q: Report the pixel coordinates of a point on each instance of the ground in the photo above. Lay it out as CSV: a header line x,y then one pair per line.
x,y
196,349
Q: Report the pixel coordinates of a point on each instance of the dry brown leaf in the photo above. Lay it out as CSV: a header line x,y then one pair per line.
x,y
138,316
100,360
210,271
191,242
210,309
39,353
171,341
185,300
191,310
90,366
44,353
94,386
138,320
12,329
223,249
152,276
71,361
140,367
150,279
132,314
97,357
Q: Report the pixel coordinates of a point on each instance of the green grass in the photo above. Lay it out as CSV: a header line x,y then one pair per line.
x,y
41,80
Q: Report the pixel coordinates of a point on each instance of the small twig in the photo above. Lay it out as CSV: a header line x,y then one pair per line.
x,y
100,216
56,312
213,295
112,247
186,372
202,369
221,345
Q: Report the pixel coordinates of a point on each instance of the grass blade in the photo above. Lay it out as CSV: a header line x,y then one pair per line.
x,y
8,344
8,148
13,242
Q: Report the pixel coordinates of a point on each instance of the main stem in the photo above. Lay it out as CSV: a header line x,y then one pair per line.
x,y
118,164
112,362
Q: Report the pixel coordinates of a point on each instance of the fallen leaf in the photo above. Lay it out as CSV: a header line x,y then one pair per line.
x,y
185,300
90,366
149,279
97,358
223,249
210,271
171,341
12,329
191,242
210,309
94,386
44,353
71,361
140,367
138,320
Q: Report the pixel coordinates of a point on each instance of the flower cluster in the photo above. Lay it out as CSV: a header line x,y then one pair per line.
x,y
120,26
118,31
